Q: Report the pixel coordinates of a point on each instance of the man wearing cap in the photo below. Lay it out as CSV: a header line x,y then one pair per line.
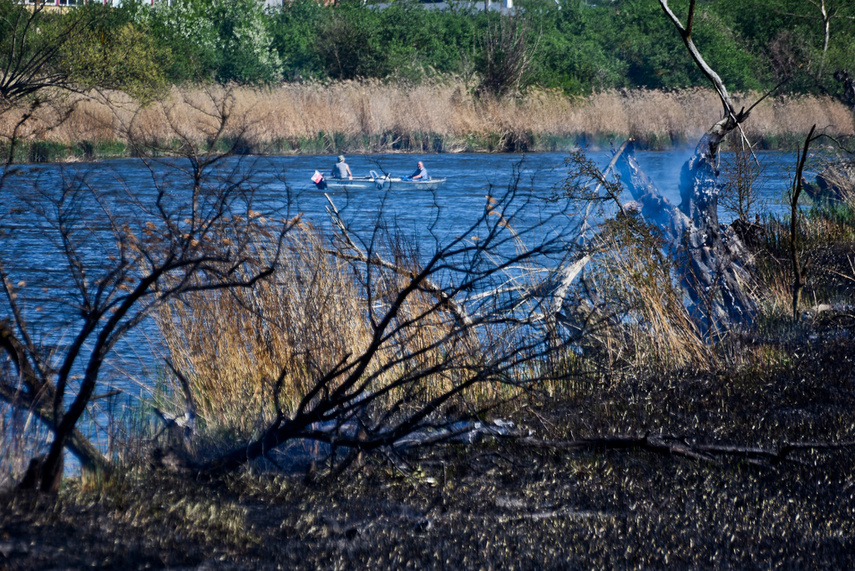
x,y
341,170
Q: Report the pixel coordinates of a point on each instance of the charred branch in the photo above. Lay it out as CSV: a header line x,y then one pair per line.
x,y
670,445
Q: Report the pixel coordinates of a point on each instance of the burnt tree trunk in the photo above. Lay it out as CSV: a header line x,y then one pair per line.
x,y
712,259
714,269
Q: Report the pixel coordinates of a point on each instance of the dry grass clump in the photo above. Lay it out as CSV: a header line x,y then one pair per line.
x,y
312,315
237,343
372,116
95,120
640,322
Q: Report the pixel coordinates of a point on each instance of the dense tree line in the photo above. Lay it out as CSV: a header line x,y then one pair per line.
x,y
571,45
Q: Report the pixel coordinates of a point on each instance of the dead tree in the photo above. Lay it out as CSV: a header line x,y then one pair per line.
x,y
507,51
798,268
714,260
116,255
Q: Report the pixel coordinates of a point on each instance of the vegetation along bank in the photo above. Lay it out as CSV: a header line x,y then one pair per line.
x,y
407,76
435,116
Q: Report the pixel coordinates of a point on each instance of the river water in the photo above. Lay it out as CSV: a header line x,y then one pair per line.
x,y
31,242
471,176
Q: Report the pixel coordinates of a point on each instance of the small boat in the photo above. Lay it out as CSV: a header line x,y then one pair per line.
x,y
375,182
396,183
372,182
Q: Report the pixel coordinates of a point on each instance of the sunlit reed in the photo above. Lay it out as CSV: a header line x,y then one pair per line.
x,y
312,315
371,116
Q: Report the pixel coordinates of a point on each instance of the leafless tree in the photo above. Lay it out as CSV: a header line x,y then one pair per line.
x,y
795,193
508,46
473,312
114,253
740,171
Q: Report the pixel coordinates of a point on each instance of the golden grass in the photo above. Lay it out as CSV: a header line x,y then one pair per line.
x,y
372,116
308,318
645,324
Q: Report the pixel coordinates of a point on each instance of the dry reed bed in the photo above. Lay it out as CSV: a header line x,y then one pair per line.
x,y
381,115
311,316
654,330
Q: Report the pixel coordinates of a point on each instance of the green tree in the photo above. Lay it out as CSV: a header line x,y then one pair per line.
x,y
571,55
507,47
248,54
115,53
72,51
213,39
294,30
46,55
626,44
350,48
403,40
808,43
185,29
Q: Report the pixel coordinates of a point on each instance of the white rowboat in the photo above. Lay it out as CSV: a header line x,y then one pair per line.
x,y
375,182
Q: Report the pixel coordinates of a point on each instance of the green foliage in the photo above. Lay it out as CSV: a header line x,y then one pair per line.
x,y
572,45
582,48
573,53
789,36
184,31
295,35
112,52
246,45
350,46
403,40
90,46
224,40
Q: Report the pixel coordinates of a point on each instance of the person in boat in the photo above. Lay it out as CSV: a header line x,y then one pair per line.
x,y
341,170
420,173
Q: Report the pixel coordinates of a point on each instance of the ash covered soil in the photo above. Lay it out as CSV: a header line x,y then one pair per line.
x,y
507,504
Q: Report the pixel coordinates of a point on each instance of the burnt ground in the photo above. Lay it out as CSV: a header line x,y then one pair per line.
x,y
507,504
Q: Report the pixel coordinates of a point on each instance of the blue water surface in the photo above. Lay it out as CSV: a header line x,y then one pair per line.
x,y
30,239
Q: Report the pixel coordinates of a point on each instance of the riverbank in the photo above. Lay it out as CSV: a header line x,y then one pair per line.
x,y
372,117
643,446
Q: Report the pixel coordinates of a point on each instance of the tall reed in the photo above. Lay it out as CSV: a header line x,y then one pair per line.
x,y
312,315
638,320
443,115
